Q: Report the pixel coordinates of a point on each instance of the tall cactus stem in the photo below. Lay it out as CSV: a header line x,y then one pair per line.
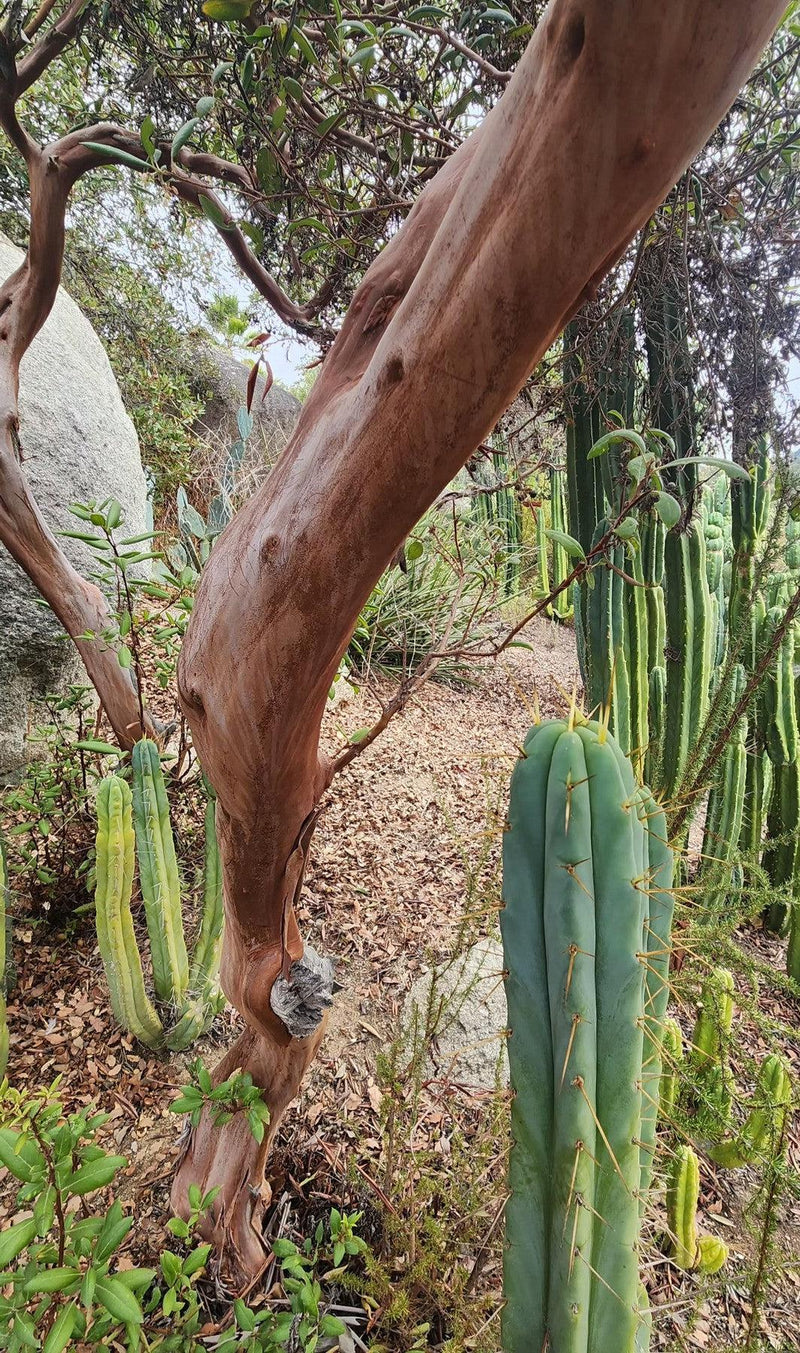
x,y
117,942
158,874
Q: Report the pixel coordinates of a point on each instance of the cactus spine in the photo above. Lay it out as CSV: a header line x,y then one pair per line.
x,y
706,1253
121,821
782,858
574,929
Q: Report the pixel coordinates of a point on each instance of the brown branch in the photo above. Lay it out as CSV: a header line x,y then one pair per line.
x,y
51,45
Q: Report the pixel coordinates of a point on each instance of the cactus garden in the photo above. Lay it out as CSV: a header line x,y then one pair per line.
x,y
399,677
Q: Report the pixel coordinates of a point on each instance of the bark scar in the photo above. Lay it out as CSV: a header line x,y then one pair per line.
x,y
293,880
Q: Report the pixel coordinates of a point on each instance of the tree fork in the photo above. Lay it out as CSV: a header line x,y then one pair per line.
x,y
607,107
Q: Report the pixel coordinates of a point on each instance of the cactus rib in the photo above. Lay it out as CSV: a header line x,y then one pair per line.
x,y
158,874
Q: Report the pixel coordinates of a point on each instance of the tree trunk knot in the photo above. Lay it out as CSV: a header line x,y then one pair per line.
x,y
302,999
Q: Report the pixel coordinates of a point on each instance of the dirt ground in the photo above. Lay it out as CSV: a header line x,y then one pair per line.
x,y
408,842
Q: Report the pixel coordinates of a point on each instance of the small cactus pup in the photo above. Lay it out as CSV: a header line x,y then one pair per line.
x,y
188,988
577,932
764,1131
688,1249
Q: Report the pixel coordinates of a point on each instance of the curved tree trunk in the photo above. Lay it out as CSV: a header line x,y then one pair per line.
x,y
609,104
26,299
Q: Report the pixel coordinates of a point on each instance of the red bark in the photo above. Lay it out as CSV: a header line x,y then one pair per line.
x,y
609,104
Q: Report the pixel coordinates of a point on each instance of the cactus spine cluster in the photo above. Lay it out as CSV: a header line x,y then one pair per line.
x,y
585,932
139,821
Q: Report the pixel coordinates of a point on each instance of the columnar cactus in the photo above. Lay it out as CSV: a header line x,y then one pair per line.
x,y
688,651
726,805
143,818
689,1251
584,927
561,564
782,857
158,872
606,638
130,1003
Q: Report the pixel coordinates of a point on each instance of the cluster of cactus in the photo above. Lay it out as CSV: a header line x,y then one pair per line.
x,y
663,619
139,820
705,1082
587,880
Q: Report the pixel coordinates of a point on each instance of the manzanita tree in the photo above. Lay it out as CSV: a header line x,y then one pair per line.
x,y
608,104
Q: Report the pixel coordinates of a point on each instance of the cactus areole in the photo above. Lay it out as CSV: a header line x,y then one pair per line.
x,y
587,875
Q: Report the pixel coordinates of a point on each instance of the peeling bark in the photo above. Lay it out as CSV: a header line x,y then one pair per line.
x,y
607,107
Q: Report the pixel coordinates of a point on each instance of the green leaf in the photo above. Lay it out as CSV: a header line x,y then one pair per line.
x,y
182,135
124,656
14,1240
21,1157
245,1318
95,745
303,45
196,1260
728,467
338,1253
227,11
293,87
52,1280
95,1174
61,1330
118,1300
668,509
170,1267
214,213
359,735
220,70
612,438
204,106
117,156
134,1278
414,550
331,1326
626,529
282,1248
572,546
115,1228
363,56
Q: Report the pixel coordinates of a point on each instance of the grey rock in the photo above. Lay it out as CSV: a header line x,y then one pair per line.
x,y
219,380
78,444
459,1009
